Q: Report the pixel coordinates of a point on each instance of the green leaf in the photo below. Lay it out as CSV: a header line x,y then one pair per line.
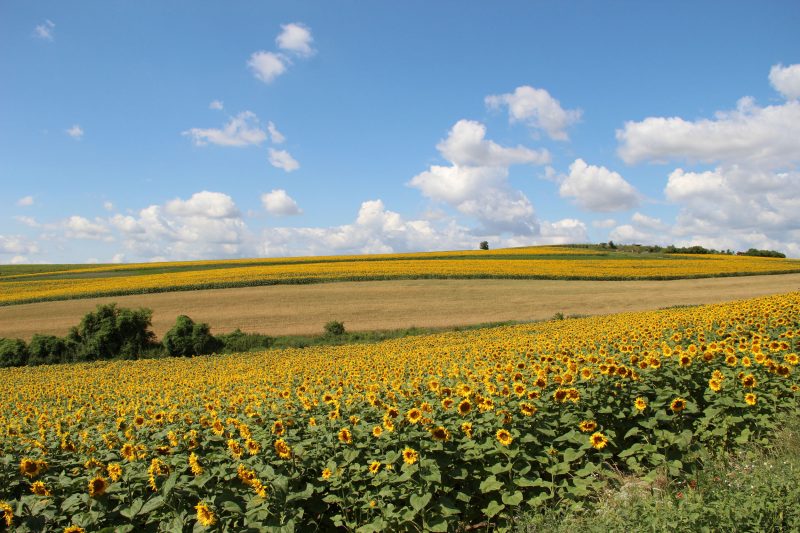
x,y
493,508
512,499
419,502
133,510
169,484
437,524
232,507
152,504
490,484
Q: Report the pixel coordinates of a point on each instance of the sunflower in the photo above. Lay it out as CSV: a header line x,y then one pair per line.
x,y
685,361
252,446
345,437
414,415
440,434
466,427
749,381
39,489
560,395
677,405
374,467
527,409
598,440
205,515
587,426
31,467
278,428
326,473
235,448
714,385
504,437
464,407
377,431
447,403
194,464
750,398
640,404
283,450
98,486
74,529
410,456
114,471
8,513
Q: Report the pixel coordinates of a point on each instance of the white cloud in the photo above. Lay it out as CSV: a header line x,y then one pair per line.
x,y
278,203
25,201
108,206
476,183
274,135
628,234
786,80
242,130
207,225
296,38
536,108
17,245
765,136
78,227
118,258
44,31
75,132
266,66
216,105
597,188
28,221
645,221
605,223
282,159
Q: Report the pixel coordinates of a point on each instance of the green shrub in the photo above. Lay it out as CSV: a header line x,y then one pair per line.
x,y
110,332
189,338
334,328
238,341
13,352
49,349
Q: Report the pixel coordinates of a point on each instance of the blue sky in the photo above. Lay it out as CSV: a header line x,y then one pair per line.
x,y
139,131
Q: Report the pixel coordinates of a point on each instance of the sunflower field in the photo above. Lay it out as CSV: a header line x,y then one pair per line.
x,y
429,433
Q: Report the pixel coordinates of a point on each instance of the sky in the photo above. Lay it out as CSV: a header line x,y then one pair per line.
x,y
151,131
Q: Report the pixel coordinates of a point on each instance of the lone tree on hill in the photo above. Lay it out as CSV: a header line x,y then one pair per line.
x,y
484,245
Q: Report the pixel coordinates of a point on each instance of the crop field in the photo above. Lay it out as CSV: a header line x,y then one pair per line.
x,y
435,433
394,304
60,282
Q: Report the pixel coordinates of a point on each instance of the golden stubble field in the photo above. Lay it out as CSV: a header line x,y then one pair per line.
x,y
374,305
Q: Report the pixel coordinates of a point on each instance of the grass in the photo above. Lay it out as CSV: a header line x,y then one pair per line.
x,y
754,488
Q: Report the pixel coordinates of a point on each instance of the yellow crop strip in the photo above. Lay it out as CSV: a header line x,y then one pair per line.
x,y
430,432
20,289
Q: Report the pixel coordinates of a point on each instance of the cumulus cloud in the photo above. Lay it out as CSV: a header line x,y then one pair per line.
x,y
786,80
536,108
217,105
283,160
25,201
476,182
277,202
108,206
28,221
45,31
266,66
206,225
16,245
597,188
242,130
296,38
604,223
78,227
76,132
763,136
751,196
274,135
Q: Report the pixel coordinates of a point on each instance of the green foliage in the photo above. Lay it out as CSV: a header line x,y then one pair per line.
x,y
111,332
49,349
334,328
484,245
13,352
239,341
764,253
190,338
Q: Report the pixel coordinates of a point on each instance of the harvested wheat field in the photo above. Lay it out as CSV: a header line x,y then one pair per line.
x,y
374,305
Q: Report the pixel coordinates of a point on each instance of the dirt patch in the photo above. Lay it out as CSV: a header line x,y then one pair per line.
x,y
372,305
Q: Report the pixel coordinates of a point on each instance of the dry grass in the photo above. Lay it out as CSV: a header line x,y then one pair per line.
x,y
374,305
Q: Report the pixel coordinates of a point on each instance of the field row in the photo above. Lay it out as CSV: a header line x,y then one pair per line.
x,y
583,267
431,433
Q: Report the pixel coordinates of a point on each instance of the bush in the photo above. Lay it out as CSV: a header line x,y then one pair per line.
x,y
48,349
484,245
334,328
110,332
13,352
189,338
238,341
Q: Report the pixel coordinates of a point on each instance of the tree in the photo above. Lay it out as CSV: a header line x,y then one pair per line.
x,y
110,332
484,245
13,352
190,338
334,328
47,350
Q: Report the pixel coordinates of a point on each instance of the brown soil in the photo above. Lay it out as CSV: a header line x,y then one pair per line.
x,y
373,305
